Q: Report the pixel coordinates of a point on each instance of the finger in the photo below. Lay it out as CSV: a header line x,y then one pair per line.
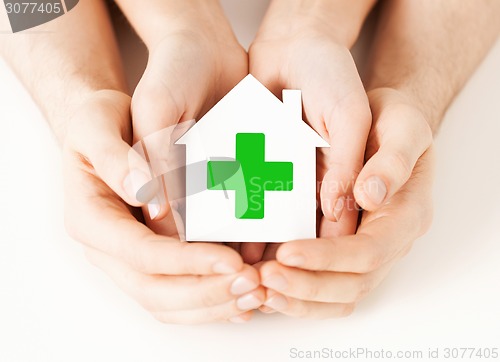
x,y
381,235
112,159
170,293
252,252
218,313
404,137
235,246
159,103
267,310
348,126
305,309
347,119
347,225
242,318
319,286
342,114
101,221
375,244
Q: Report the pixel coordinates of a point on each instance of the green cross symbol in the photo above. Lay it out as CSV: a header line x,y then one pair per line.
x,y
250,175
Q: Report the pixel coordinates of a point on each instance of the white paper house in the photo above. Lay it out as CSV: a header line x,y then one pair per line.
x,y
257,182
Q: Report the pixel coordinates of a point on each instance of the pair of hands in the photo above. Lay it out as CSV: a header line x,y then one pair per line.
x,y
187,73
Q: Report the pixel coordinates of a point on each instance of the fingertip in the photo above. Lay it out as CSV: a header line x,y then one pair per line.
x,y
227,262
242,318
267,310
222,267
158,208
276,301
252,252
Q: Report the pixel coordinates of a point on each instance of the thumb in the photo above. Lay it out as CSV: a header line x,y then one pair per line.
x,y
403,135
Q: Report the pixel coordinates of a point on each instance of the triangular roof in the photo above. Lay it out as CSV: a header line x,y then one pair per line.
x,y
256,93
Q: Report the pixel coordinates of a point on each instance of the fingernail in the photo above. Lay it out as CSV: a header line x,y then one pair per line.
x,y
375,189
223,268
133,183
154,208
237,319
267,310
294,260
276,282
339,208
277,302
248,302
242,285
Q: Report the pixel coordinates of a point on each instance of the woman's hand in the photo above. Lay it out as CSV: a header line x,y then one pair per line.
x,y
326,277
177,282
191,67
304,47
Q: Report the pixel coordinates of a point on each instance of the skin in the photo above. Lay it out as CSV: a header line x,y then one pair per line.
x,y
411,82
299,45
177,282
390,127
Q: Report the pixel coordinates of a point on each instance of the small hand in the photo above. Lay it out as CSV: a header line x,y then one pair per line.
x,y
303,54
177,282
326,277
187,73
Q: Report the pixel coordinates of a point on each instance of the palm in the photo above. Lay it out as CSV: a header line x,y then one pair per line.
x,y
335,106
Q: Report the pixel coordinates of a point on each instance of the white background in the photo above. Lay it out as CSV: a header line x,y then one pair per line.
x,y
54,306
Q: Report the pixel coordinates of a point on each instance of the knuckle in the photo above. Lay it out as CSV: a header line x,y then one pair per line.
x,y
363,286
312,291
399,166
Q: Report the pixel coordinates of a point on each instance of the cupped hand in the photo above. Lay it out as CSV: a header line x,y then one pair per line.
x,y
327,276
187,73
177,282
296,51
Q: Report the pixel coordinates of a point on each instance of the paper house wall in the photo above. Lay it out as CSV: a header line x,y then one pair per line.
x,y
251,116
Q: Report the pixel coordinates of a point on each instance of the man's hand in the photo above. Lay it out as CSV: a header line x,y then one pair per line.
x,y
326,277
177,282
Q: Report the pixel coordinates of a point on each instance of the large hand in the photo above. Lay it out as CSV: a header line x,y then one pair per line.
x,y
177,282
297,51
327,276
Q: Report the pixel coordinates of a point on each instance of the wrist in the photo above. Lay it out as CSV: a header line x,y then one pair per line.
x,y
336,20
62,117
432,109
163,18
401,97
